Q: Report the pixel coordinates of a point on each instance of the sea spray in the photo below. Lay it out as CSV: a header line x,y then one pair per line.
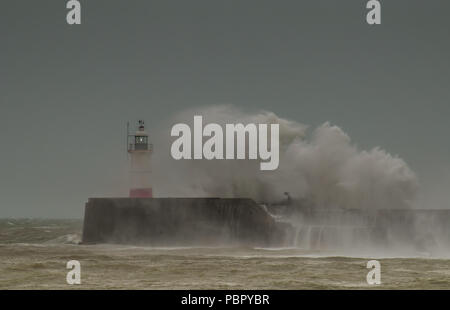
x,y
325,167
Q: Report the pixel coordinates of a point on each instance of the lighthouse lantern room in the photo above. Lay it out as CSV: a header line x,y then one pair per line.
x,y
140,151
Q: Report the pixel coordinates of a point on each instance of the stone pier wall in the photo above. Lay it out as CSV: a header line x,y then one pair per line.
x,y
179,222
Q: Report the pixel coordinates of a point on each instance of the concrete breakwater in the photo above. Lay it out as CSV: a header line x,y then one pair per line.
x,y
243,222
180,222
382,229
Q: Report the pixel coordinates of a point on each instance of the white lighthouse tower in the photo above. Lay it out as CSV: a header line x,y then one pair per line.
x,y
140,151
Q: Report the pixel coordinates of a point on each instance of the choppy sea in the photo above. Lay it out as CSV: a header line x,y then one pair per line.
x,y
34,254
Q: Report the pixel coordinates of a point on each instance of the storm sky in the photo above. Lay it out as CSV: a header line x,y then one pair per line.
x,y
66,92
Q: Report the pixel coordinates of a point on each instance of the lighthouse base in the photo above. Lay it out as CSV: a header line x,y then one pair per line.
x,y
141,193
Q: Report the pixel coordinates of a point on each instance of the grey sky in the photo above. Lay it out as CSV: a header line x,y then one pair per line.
x,y
66,92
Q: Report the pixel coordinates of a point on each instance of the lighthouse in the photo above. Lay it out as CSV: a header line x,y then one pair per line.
x,y
140,152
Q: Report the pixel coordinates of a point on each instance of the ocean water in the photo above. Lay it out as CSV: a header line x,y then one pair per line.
x,y
34,254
